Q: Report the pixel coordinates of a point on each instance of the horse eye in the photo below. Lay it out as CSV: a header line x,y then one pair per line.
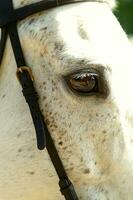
x,y
83,82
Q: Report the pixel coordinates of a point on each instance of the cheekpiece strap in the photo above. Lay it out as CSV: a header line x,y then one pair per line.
x,y
23,74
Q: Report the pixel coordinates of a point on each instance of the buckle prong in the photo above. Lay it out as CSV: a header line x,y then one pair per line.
x,y
24,68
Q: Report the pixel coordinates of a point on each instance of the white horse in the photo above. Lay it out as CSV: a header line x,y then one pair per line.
x,y
93,133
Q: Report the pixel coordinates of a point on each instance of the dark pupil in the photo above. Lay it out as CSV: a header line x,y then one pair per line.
x,y
83,82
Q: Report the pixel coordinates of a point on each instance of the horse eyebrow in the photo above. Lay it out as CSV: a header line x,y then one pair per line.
x,y
101,67
81,65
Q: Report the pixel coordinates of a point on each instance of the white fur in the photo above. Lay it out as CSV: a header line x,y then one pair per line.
x,y
93,134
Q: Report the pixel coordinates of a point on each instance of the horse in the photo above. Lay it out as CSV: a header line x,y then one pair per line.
x,y
82,65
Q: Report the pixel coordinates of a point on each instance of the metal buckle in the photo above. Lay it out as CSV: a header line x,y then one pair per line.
x,y
24,68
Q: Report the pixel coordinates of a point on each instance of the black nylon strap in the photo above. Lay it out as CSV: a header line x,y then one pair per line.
x,y
31,97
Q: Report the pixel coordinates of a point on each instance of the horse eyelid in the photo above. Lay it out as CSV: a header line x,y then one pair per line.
x,y
101,90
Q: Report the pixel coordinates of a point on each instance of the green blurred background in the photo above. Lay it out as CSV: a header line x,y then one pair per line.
x,y
124,13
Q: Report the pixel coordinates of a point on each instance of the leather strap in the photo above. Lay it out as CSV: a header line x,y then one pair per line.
x,y
29,91
2,42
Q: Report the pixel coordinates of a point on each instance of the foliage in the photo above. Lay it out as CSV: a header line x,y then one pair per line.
x,y
124,13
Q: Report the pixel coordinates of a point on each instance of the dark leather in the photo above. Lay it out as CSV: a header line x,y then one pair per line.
x,y
25,80
67,189
23,12
2,42
29,91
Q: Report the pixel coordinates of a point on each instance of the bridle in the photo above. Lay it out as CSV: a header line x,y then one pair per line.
x,y
8,24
